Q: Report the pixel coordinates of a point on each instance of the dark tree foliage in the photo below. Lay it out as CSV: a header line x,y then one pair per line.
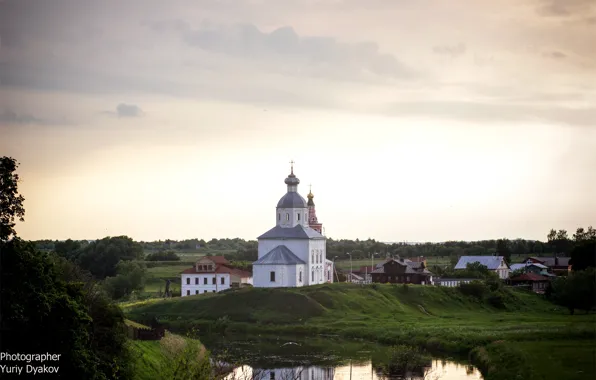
x,y
162,256
576,291
503,249
11,202
101,257
44,312
67,248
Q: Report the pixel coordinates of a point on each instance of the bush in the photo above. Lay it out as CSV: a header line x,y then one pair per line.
x,y
163,256
476,289
496,300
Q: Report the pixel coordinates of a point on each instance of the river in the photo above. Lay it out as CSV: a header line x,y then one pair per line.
x,y
322,358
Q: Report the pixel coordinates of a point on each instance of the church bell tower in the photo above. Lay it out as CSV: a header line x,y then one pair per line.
x,y
313,222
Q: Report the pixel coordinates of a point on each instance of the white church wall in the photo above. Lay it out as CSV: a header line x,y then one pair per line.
x,y
285,275
288,217
316,261
298,246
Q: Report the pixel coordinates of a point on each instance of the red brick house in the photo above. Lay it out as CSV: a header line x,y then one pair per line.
x,y
534,281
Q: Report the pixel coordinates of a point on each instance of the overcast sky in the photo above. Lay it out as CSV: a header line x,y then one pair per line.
x,y
414,120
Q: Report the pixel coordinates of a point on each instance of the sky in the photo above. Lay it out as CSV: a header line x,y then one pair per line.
x,y
414,120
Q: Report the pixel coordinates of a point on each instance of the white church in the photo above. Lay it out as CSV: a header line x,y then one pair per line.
x,y
293,253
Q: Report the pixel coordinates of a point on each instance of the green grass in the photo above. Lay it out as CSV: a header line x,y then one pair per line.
x,y
437,318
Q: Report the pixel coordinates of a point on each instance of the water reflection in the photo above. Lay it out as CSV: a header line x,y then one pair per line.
x,y
435,370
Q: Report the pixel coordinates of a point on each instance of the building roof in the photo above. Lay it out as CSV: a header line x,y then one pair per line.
x,y
550,261
410,269
529,277
491,262
280,255
522,266
296,232
291,200
220,269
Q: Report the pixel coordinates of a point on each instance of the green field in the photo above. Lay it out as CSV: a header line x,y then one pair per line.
x,y
439,319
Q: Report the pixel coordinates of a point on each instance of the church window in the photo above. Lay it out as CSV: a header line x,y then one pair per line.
x,y
188,292
196,281
300,277
204,280
187,281
272,276
223,280
313,276
213,281
298,215
272,375
196,292
287,217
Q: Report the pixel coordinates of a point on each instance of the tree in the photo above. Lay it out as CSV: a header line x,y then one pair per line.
x,y
67,248
101,257
503,249
576,291
11,202
131,277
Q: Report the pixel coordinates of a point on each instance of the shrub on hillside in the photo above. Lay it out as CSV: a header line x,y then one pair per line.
x,y
476,289
163,256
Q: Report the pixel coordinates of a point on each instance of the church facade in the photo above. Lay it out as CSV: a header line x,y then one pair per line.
x,y
293,253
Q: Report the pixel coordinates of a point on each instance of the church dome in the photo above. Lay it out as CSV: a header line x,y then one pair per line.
x,y
291,200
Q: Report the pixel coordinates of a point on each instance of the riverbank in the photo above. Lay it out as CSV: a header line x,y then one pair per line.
x,y
439,319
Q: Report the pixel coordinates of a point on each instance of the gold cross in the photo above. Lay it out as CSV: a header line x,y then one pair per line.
x,y
292,167
310,188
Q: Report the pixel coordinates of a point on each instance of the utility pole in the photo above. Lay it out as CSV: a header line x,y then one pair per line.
x,y
350,266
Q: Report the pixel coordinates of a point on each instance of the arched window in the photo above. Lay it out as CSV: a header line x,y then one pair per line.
x,y
279,216
298,216
287,216
300,277
313,275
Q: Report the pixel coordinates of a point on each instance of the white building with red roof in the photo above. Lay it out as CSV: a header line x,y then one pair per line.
x,y
212,274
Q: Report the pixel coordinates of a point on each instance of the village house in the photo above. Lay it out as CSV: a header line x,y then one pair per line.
x,y
400,271
535,282
560,266
212,274
496,264
530,267
453,282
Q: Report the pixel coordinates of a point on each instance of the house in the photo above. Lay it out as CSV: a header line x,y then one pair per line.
x,y
453,282
400,271
536,282
418,259
557,265
293,253
531,267
496,264
355,278
212,274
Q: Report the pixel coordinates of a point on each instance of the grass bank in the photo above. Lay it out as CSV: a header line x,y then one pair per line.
x,y
437,318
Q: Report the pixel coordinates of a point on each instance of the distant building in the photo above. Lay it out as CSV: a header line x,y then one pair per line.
x,y
496,264
557,265
212,274
531,267
293,253
453,282
535,282
400,271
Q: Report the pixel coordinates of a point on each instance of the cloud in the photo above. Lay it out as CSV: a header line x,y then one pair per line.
x,y
9,116
452,51
477,111
283,45
565,8
128,110
554,55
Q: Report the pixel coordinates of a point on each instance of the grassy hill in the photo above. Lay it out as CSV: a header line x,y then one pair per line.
x,y
437,317
505,336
